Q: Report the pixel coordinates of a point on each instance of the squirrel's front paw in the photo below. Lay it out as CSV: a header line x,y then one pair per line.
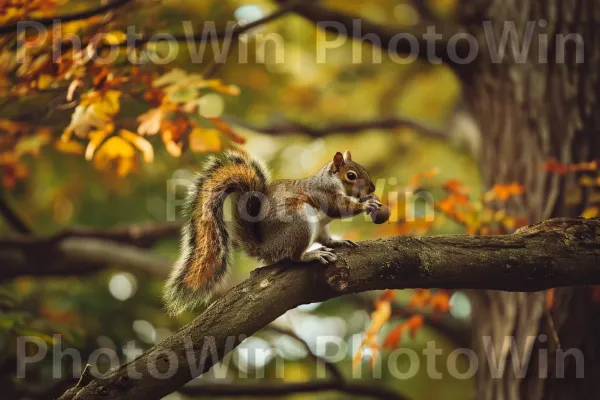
x,y
371,205
323,255
340,243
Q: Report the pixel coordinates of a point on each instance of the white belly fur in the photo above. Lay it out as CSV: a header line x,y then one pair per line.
x,y
317,220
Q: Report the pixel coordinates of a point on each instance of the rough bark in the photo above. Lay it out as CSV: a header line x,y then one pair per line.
x,y
554,253
530,112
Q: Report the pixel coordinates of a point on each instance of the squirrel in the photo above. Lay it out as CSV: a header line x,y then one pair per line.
x,y
273,221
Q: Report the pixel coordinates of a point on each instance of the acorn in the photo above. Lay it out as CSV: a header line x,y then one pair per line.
x,y
382,214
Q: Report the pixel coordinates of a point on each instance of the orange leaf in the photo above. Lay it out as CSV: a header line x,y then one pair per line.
x,y
419,298
392,340
504,192
440,302
226,129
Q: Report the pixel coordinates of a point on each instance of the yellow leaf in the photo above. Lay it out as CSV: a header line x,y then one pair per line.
x,y
118,150
204,140
142,144
110,102
115,37
104,104
509,223
587,181
590,212
44,81
96,137
69,147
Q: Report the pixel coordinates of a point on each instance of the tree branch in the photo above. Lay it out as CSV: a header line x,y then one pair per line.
x,y
47,21
388,39
80,251
137,235
12,218
286,128
558,252
286,7
336,383
336,374
282,389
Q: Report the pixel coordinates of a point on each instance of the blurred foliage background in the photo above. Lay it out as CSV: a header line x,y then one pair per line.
x,y
54,188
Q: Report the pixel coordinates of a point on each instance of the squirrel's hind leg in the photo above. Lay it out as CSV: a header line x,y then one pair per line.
x,y
290,239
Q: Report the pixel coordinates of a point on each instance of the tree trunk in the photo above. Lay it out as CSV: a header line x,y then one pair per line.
x,y
529,113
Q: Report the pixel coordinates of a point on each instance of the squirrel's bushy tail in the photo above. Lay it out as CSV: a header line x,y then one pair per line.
x,y
205,244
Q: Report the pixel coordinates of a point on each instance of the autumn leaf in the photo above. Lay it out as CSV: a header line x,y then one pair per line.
x,y
150,121
590,212
555,166
96,138
504,192
416,179
173,148
412,325
379,317
227,130
419,299
140,143
94,112
204,140
119,152
440,302
69,147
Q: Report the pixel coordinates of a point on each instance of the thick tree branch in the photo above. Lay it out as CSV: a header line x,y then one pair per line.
x,y
47,21
388,39
559,252
286,128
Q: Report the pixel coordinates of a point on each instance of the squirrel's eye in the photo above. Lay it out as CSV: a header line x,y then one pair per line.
x,y
351,175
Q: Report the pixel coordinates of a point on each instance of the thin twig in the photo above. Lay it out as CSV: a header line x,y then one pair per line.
x,y
286,128
335,373
218,61
47,21
13,219
282,389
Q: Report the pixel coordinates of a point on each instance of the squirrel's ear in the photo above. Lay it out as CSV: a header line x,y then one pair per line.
x,y
347,156
338,160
